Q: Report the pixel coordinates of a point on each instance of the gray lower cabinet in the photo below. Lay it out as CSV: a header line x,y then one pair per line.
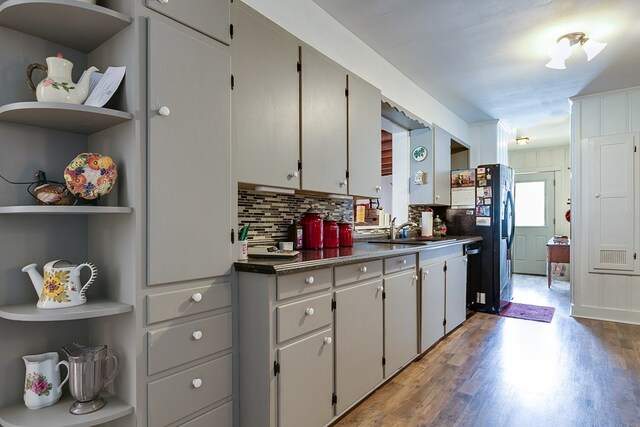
x,y
266,102
400,320
188,157
432,304
456,293
210,17
359,343
305,383
324,124
364,138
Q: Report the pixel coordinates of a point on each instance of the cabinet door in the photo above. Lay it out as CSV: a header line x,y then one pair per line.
x,y
422,191
324,124
364,138
265,104
210,17
432,305
456,293
189,177
305,381
442,167
612,199
358,325
400,320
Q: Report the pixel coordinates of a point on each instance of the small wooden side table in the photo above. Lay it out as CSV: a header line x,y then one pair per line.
x,y
556,252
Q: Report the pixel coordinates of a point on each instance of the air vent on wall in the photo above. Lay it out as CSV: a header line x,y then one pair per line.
x,y
613,257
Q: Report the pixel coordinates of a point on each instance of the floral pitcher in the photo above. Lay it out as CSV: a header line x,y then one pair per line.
x,y
60,287
42,386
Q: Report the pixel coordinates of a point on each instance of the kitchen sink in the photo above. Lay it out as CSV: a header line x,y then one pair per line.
x,y
414,241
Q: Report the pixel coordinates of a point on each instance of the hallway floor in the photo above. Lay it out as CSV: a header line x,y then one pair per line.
x,y
498,371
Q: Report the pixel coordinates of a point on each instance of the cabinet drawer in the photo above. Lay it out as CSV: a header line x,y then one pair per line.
x,y
301,317
306,282
210,17
222,416
181,394
399,263
174,304
175,345
346,274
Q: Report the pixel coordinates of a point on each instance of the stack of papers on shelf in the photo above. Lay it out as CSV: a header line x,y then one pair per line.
x,y
103,86
560,239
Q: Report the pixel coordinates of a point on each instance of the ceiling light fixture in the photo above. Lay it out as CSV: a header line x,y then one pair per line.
x,y
561,50
522,140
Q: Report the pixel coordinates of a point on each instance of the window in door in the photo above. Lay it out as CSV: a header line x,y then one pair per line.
x,y
530,204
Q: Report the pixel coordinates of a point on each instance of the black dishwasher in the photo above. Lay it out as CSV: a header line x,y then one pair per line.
x,y
474,270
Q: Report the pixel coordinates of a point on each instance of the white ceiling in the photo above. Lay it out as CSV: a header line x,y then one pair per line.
x,y
485,59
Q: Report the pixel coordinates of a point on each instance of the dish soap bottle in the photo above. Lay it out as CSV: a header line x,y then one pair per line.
x,y
437,227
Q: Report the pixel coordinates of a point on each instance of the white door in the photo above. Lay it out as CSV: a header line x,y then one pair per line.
x,y
534,200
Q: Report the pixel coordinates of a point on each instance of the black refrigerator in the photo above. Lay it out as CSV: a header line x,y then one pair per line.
x,y
482,204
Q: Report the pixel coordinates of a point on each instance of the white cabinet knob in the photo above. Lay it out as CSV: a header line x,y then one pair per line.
x,y
363,269
163,1
403,262
197,335
343,183
415,278
164,111
309,280
196,383
328,340
380,288
197,297
292,175
597,195
378,189
309,311
426,272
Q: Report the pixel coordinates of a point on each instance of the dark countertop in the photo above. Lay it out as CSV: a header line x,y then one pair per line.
x,y
361,251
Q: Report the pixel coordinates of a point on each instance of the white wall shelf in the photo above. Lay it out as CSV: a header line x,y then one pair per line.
x,y
64,210
61,116
58,415
92,308
71,23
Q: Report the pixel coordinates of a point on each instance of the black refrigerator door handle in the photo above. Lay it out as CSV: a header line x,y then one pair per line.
x,y
512,212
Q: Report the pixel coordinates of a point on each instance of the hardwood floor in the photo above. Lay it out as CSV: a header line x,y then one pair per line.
x,y
498,371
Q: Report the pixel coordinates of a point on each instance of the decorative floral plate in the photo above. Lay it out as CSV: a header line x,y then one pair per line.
x,y
90,175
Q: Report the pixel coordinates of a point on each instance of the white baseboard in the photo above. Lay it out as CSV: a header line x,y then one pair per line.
x,y
622,316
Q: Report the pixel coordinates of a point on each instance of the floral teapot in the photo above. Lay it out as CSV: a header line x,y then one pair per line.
x,y
60,287
58,86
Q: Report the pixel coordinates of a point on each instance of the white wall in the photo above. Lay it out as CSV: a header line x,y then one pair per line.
x,y
552,159
601,296
310,23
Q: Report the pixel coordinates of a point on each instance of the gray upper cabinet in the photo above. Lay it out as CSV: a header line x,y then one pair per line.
x,y
266,121
421,191
364,138
324,124
189,177
210,17
442,167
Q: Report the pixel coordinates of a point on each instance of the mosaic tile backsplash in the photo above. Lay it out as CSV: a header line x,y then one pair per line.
x,y
270,214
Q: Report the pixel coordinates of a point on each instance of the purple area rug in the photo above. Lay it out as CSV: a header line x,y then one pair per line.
x,y
528,312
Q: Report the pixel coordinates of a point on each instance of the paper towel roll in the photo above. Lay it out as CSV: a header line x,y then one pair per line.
x,y
427,224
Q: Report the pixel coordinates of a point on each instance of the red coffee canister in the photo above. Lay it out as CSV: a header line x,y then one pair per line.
x,y
312,229
331,232
345,233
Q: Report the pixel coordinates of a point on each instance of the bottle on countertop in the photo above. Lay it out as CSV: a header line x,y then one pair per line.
x,y
345,233
331,232
294,233
312,229
437,227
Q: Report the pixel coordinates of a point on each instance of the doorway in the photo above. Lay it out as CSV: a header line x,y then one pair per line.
x,y
535,223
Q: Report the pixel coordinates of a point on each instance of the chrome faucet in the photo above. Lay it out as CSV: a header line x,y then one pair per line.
x,y
393,230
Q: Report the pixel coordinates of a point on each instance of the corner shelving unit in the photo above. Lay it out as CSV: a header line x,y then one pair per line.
x,y
78,25
85,28
92,308
58,415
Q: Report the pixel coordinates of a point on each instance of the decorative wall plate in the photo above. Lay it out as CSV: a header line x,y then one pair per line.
x,y
90,175
419,153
